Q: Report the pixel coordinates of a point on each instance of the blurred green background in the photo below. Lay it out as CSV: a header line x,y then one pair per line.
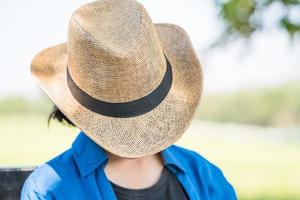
x,y
248,122
252,135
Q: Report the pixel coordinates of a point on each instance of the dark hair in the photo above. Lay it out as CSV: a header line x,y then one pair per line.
x,y
59,116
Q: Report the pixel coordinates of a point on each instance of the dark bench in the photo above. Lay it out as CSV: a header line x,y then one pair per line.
x,y
11,182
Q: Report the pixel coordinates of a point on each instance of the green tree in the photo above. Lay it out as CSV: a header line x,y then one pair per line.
x,y
243,17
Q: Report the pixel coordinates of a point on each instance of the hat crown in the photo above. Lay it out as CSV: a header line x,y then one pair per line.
x,y
114,51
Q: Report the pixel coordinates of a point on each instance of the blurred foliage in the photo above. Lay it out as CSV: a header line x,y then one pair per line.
x,y
268,107
20,105
278,106
243,17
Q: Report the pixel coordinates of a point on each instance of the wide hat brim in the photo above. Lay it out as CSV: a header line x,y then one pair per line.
x,y
138,136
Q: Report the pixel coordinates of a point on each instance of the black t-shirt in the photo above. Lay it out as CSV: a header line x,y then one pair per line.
x,y
166,188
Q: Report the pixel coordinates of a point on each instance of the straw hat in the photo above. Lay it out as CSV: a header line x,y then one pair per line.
x,y
130,85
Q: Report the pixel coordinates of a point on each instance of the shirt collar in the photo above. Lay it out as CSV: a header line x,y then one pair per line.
x,y
171,159
89,156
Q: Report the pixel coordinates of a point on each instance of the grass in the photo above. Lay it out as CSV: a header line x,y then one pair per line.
x,y
258,164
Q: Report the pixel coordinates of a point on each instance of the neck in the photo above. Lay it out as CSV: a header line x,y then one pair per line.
x,y
134,173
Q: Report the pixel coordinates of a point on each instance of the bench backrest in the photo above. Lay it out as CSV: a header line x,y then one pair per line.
x,y
11,182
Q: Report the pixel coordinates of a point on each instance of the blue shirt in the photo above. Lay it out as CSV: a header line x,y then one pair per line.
x,y
78,174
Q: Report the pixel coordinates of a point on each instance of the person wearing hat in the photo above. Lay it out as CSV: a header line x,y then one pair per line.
x,y
132,88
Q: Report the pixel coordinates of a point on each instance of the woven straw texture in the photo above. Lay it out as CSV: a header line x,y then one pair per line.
x,y
116,54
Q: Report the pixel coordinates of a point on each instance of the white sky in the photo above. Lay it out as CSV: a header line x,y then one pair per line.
x,y
30,26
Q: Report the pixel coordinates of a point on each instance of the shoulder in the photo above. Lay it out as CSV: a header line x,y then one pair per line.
x,y
39,183
206,172
47,177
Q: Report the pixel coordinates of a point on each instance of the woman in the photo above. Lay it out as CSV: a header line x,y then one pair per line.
x,y
132,88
